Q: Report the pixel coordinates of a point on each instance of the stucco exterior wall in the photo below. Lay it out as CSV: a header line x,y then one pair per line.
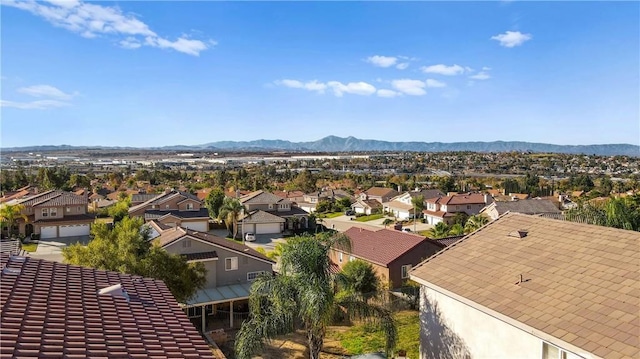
x,y
452,329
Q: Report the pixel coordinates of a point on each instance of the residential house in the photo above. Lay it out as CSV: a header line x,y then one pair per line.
x,y
293,196
54,310
174,208
391,253
444,209
526,206
231,267
17,194
530,287
54,214
366,206
268,213
401,206
379,194
311,200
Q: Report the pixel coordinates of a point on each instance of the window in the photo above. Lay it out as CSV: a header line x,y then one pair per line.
x,y
251,276
53,212
550,351
166,206
270,206
468,207
186,243
404,270
79,209
231,263
189,206
68,209
340,257
45,212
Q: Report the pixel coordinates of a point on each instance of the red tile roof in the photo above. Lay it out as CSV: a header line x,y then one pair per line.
x,y
382,246
464,198
55,310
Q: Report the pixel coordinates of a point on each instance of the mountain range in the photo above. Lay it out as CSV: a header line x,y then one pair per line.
x,y
352,144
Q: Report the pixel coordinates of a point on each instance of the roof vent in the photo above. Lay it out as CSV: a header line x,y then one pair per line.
x,y
16,258
115,291
521,233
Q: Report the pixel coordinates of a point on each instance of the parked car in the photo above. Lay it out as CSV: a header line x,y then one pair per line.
x,y
249,237
349,212
407,230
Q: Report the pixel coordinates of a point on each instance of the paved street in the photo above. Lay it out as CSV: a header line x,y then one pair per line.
x,y
343,223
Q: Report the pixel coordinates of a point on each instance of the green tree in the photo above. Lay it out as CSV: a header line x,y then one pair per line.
x,y
456,230
358,277
323,206
344,203
303,296
230,212
120,209
440,230
621,213
9,214
418,204
387,221
475,222
214,202
126,249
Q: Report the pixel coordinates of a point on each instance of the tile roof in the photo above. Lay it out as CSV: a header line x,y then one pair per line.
x,y
262,197
262,217
157,213
463,198
175,233
53,198
382,246
398,205
55,310
526,206
381,192
582,282
427,193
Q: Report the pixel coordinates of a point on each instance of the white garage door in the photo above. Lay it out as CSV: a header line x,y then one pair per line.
x,y
264,228
74,230
197,226
48,232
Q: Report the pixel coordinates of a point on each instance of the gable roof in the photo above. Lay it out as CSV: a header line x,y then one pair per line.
x,y
51,309
262,197
53,198
526,206
163,197
169,236
381,192
262,217
581,282
427,193
383,246
158,213
464,198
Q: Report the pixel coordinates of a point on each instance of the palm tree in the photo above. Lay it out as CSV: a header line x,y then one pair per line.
x,y
456,230
440,230
387,221
358,277
230,212
10,213
474,222
304,296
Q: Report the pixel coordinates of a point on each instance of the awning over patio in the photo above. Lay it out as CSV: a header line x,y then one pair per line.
x,y
218,295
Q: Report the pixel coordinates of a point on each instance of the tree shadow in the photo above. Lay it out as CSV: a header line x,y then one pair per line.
x,y
437,340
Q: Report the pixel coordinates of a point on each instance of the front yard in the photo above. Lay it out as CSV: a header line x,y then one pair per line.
x,y
370,217
30,247
330,215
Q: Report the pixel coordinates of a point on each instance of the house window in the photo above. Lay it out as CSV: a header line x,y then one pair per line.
x,y
340,257
231,263
404,270
45,212
189,206
53,212
468,207
186,243
79,209
251,276
270,206
68,209
166,206
550,351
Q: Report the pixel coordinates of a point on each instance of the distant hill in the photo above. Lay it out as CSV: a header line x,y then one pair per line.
x,y
352,144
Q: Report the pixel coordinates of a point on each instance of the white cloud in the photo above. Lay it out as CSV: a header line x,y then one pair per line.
x,y
512,38
382,61
92,20
34,105
310,85
387,93
435,83
402,65
484,68
46,91
410,87
354,88
441,69
482,75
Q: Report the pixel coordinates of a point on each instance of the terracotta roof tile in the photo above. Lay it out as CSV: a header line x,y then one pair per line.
x,y
55,310
576,289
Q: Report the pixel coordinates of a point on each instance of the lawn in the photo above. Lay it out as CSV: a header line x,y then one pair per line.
x,y
363,338
30,247
370,217
330,215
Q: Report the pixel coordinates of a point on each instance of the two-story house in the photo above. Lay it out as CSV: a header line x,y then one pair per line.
x,y
231,267
379,194
175,209
401,206
443,209
54,214
268,213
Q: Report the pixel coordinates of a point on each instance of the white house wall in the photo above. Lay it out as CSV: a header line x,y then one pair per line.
x,y
450,329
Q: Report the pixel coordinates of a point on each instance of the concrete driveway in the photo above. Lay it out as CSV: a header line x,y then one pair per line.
x,y
51,249
266,241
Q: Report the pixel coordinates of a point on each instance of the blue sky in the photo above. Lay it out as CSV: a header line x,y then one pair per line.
x,y
166,73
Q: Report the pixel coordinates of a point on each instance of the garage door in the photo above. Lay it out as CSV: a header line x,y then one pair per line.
x,y
74,230
264,228
197,226
48,232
